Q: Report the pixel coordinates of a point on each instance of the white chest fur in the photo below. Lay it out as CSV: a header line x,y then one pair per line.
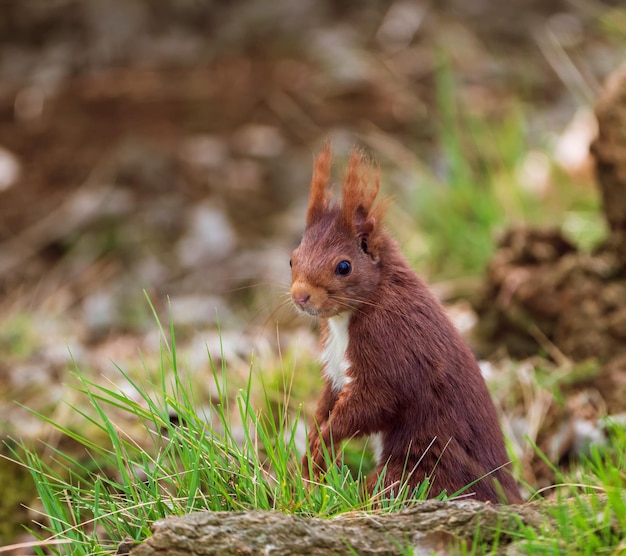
x,y
334,355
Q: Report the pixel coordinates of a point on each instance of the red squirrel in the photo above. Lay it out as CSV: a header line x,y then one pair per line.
x,y
394,366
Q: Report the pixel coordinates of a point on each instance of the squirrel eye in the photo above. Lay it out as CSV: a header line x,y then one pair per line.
x,y
290,265
343,268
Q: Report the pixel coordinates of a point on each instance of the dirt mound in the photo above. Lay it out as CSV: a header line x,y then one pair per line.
x,y
541,290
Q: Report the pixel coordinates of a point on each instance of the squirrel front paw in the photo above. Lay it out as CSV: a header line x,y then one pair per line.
x,y
314,461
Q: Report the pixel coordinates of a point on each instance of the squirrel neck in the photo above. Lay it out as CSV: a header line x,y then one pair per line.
x,y
395,276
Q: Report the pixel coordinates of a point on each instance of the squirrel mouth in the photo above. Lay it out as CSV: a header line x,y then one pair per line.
x,y
314,311
309,311
318,313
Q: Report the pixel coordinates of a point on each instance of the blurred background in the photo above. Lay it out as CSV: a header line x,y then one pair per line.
x,y
167,147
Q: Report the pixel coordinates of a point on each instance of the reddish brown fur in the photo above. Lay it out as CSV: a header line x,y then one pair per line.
x,y
320,198
411,376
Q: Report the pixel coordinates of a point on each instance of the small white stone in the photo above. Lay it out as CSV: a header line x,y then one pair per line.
x,y
487,369
10,169
100,311
571,151
210,236
586,434
401,23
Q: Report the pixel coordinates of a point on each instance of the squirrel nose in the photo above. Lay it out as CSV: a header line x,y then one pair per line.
x,y
302,299
300,294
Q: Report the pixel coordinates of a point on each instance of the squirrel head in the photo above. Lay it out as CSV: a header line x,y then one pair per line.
x,y
336,267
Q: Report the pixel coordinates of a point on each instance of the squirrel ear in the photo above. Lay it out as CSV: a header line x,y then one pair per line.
x,y
319,200
360,188
364,226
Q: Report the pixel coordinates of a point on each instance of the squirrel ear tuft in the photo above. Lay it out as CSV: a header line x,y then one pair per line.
x,y
319,200
360,189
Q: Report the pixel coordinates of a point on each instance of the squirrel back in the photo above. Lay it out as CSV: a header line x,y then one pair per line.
x,y
395,367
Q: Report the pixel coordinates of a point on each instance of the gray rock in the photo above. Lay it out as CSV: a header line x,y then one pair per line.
x,y
429,527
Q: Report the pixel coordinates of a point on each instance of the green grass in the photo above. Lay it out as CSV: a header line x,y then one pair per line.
x,y
587,515
135,457
478,189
